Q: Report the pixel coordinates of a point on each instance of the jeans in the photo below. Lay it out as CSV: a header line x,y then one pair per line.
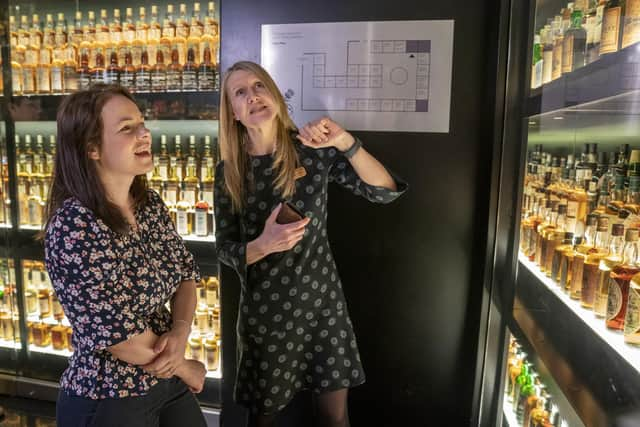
x,y
168,404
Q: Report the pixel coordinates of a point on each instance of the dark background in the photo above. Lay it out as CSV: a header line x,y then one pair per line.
x,y
412,271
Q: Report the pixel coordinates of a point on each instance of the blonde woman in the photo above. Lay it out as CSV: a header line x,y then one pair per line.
x,y
293,325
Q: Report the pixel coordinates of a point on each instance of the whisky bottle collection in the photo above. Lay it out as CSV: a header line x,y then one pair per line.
x,y
581,33
580,226
177,52
184,178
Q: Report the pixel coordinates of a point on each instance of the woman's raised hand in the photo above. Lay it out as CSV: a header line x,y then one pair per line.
x,y
325,132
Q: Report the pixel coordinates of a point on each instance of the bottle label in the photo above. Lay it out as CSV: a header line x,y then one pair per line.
x,y
614,299
567,54
34,212
556,68
631,32
111,76
610,30
143,82
84,80
572,209
43,303
164,171
159,82
212,297
189,80
632,319
28,80
127,80
206,79
171,196
189,196
182,224
201,228
56,79
173,81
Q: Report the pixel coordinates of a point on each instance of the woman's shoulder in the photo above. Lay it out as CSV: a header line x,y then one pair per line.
x,y
72,216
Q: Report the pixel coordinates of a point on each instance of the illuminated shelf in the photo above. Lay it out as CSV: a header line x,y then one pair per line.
x,y
613,339
4,225
217,374
509,415
9,344
49,350
31,227
194,238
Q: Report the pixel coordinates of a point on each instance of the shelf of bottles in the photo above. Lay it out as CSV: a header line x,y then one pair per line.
x,y
584,51
50,331
173,52
527,401
579,236
9,313
183,175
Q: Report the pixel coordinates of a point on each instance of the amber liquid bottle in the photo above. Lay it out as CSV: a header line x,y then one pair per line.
x,y
579,256
607,264
190,72
591,273
143,74
112,72
559,254
159,74
128,72
553,239
174,71
620,279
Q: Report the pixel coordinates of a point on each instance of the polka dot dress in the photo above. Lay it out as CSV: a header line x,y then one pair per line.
x,y
294,330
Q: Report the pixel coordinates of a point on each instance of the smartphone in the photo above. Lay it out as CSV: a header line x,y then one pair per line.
x,y
289,213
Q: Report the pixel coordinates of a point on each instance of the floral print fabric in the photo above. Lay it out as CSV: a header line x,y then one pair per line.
x,y
113,287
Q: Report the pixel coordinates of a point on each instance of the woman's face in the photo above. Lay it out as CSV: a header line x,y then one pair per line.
x,y
126,142
251,102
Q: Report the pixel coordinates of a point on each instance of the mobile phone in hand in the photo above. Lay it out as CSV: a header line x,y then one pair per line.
x,y
288,214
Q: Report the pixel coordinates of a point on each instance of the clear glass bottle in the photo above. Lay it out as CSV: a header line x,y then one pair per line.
x,y
607,264
591,273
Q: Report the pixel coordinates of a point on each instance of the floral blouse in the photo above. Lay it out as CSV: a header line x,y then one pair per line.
x,y
113,287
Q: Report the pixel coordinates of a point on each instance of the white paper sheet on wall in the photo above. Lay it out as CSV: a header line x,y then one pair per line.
x,y
379,76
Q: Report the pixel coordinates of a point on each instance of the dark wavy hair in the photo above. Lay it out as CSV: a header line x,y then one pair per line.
x,y
79,123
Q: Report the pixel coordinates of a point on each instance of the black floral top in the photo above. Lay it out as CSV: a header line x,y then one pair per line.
x,y
113,287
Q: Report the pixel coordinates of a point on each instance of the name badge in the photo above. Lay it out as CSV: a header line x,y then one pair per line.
x,y
299,173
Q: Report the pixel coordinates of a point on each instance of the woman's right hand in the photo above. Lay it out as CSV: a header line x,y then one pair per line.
x,y
281,237
192,373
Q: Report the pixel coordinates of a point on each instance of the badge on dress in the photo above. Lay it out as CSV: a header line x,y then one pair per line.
x,y
299,172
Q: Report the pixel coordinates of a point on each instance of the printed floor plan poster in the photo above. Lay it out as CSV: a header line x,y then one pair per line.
x,y
383,76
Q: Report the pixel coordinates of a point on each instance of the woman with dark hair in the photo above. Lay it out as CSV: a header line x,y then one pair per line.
x,y
294,331
115,260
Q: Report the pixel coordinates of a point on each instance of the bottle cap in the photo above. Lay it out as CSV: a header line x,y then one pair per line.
x,y
616,229
603,223
632,235
592,219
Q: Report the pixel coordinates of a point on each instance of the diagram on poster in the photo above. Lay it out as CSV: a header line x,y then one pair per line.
x,y
392,75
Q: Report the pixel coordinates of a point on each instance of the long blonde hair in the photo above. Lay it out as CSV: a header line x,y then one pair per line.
x,y
234,137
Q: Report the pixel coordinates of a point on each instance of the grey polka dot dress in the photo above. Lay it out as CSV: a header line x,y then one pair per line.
x,y
294,330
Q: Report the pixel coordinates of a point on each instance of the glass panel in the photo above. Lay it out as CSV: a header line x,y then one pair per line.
x,y
168,58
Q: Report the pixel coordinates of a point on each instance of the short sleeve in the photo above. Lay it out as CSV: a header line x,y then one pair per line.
x,y
188,267
88,279
230,247
343,173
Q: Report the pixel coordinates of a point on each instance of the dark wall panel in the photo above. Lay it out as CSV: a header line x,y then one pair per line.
x,y
412,270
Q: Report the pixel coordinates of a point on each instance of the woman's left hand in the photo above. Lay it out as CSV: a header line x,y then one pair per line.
x,y
325,133
170,351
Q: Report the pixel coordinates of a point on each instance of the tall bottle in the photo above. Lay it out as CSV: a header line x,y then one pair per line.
x,y
620,278
184,214
579,256
115,30
536,62
558,43
128,72
607,264
190,71
159,74
98,72
174,71
553,239
574,49
611,36
83,71
632,317
182,33
142,33
112,71
594,20
591,273
143,74
206,70
154,33
196,30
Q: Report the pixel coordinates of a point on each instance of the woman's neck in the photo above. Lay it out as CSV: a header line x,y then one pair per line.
x,y
262,140
117,191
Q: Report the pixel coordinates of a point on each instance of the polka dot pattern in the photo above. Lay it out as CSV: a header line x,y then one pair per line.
x,y
293,322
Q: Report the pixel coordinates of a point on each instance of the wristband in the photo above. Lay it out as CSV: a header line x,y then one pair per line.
x,y
351,151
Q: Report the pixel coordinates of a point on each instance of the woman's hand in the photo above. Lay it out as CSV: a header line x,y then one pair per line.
x,y
170,350
325,133
280,237
192,373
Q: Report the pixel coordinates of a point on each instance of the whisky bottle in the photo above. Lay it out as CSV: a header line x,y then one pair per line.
x,y
32,56
174,71
591,273
115,30
202,319
13,32
184,215
182,32
43,69
196,351
615,257
44,300
206,162
41,334
612,25
536,62
202,223
215,319
59,337
143,74
98,72
179,163
159,74
36,35
558,43
553,238
69,332
574,49
212,29
24,178
128,30
620,278
128,73
84,72
212,352
206,70
89,38
76,34
579,256
171,186
155,182
57,75
190,71
546,40
196,30
112,72
140,41
190,192
49,32
546,227
103,33
17,59
213,292
58,312
153,35
168,32
31,296
70,70
630,23
163,158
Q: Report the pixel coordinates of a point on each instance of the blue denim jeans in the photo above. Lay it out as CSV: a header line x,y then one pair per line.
x,y
168,404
